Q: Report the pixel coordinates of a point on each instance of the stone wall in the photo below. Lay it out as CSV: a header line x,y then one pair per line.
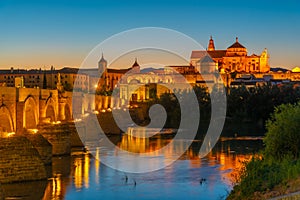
x,y
20,161
1,193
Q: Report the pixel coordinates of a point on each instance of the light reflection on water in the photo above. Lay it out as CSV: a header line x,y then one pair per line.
x,y
82,176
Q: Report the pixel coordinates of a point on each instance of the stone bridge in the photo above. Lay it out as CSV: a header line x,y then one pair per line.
x,y
25,108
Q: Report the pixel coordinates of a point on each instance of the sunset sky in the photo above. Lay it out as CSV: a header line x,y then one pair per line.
x,y
61,33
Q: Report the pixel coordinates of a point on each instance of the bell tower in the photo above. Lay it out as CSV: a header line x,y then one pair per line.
x,y
264,61
102,65
211,45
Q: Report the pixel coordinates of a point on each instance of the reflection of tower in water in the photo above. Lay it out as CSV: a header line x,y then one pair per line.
x,y
97,165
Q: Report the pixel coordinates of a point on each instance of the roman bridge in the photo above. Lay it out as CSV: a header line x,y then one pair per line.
x,y
26,108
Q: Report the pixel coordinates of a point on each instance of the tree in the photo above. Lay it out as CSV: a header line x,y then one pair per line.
x,y
283,132
44,82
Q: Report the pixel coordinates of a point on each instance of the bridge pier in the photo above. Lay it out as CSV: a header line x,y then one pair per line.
x,y
58,135
41,145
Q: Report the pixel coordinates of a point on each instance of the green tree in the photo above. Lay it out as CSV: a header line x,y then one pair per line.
x,y
283,132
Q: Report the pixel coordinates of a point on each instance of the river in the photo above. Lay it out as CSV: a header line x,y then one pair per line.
x,y
83,176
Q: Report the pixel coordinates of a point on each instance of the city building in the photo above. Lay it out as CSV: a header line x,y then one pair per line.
x,y
234,64
37,78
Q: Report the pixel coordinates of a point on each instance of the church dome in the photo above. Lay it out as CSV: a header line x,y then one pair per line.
x,y
236,45
236,49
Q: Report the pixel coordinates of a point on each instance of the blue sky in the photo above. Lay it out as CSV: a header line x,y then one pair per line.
x,y
61,33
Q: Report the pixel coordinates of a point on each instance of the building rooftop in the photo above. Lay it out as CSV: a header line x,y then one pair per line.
x,y
212,54
122,71
236,45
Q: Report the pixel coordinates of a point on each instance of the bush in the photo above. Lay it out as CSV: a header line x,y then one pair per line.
x,y
260,175
283,132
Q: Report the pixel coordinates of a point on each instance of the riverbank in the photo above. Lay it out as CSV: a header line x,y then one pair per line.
x,y
264,179
276,171
286,191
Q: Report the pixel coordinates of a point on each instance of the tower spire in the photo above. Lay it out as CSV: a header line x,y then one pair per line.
x,y
102,58
135,64
211,45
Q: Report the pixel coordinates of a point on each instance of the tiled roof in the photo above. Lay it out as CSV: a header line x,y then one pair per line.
x,y
217,53
121,71
198,54
23,71
213,54
68,70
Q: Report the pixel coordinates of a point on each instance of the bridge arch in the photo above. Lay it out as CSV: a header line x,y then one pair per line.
x,y
6,124
50,112
168,79
30,114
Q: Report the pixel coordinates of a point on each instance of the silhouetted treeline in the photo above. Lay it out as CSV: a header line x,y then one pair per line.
x,y
257,104
244,105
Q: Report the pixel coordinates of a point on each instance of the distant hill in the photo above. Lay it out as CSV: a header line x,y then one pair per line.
x,y
150,69
279,69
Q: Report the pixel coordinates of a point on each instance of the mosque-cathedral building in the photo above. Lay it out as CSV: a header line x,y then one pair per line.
x,y
234,59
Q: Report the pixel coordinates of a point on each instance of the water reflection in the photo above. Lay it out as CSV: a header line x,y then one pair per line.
x,y
82,176
81,166
60,180
97,165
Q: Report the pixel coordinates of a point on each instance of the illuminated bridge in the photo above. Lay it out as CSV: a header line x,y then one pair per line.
x,y
26,108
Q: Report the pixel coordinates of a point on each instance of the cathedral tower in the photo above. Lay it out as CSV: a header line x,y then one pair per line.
x,y
211,45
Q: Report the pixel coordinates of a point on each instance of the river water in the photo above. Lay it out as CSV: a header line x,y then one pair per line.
x,y
82,176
